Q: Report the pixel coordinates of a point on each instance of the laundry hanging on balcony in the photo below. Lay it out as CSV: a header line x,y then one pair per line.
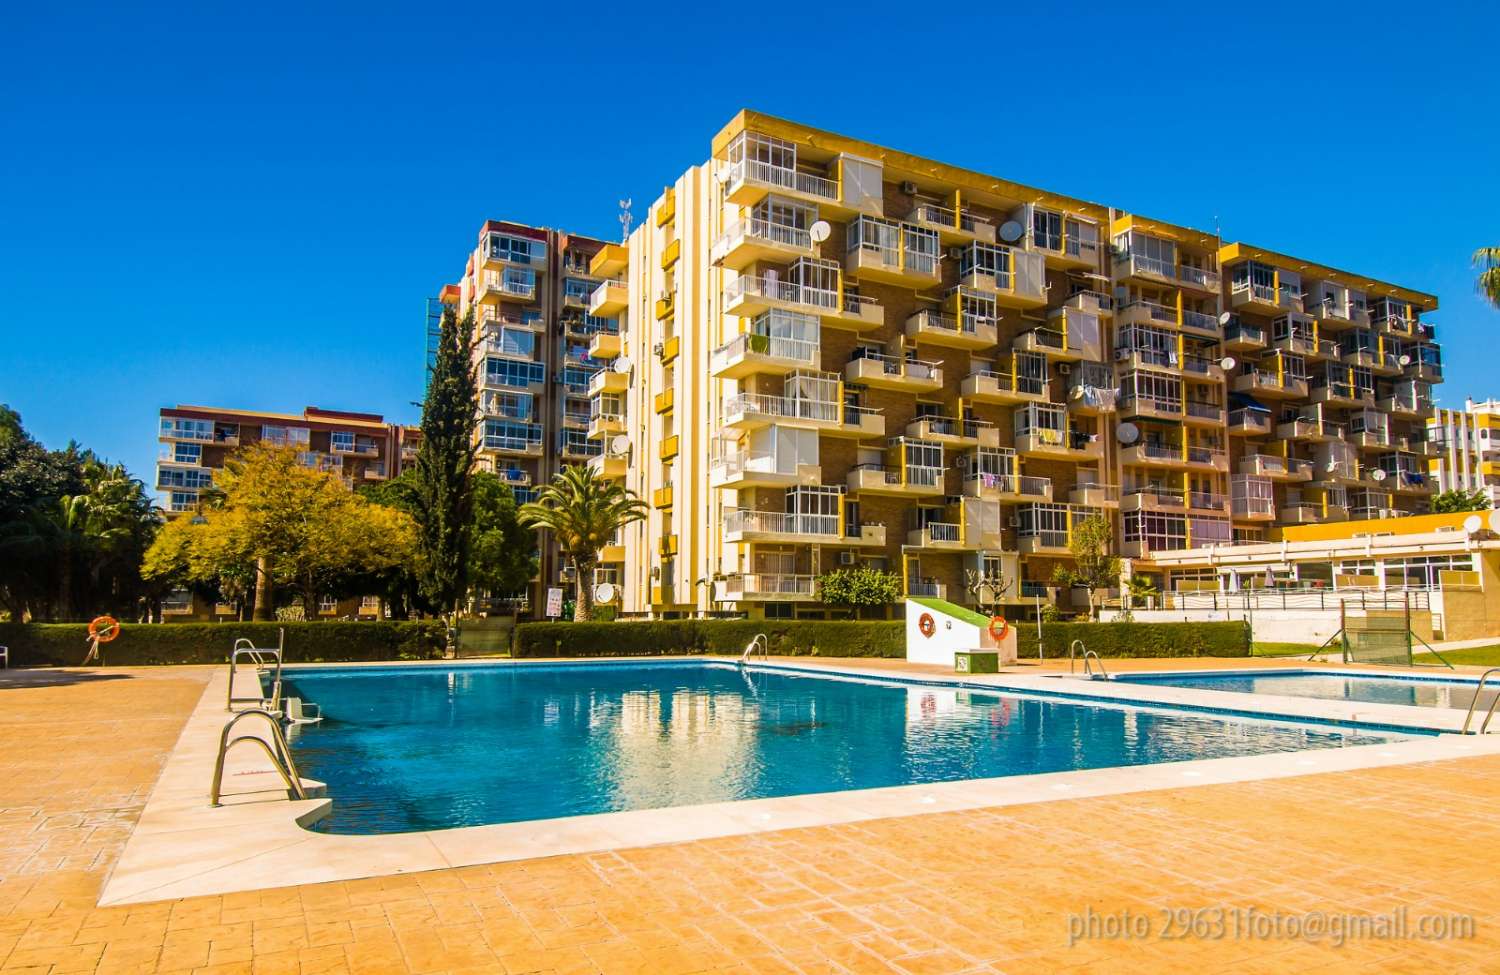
x,y
1246,402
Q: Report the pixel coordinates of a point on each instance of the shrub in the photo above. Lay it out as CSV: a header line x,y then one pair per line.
x,y
65,644
843,638
1117,639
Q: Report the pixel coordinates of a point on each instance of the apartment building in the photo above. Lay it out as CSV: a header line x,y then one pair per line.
x,y
538,355
1467,443
195,442
834,354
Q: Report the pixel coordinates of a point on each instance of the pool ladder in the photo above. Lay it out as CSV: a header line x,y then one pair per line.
x,y
760,640
1489,714
276,749
1088,671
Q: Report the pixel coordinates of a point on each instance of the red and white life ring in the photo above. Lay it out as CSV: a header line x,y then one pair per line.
x,y
927,625
998,628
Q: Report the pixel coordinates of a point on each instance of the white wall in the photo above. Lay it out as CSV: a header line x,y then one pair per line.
x,y
950,636
1266,625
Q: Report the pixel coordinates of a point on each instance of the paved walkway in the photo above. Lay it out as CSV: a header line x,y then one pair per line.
x,y
979,891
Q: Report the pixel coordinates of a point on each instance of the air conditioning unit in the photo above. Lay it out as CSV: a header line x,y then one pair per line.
x,y
1064,369
1014,521
847,558
909,188
658,350
956,253
1122,354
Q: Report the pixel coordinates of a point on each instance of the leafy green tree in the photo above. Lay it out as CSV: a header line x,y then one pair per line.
x,y
860,586
1458,499
1487,260
583,511
1094,568
502,554
445,462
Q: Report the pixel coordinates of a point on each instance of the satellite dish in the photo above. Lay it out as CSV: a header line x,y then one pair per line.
x,y
722,174
604,592
1127,433
1473,523
619,445
819,231
1495,521
1076,393
1228,362
622,365
1226,318
1010,231
1405,360
1378,474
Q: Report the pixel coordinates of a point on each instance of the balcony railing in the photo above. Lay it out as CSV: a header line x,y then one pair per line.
x,y
758,228
752,345
756,171
776,290
787,406
741,520
769,584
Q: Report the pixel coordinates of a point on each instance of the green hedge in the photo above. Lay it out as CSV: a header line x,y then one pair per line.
x,y
853,638
65,644
1138,639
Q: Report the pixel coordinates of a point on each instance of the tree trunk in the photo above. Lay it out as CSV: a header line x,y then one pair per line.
x,y
263,596
65,586
583,600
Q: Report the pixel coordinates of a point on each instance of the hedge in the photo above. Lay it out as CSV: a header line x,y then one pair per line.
x,y
852,638
65,644
1138,639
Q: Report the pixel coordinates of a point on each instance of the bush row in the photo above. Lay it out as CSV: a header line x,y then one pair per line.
x,y
873,638
1138,639
65,644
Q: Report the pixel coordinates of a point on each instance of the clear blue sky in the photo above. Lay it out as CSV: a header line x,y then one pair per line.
x,y
246,206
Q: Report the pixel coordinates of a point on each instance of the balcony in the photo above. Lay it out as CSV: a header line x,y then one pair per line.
x,y
964,332
1346,395
608,381
1018,279
986,386
1154,455
752,352
1303,345
607,466
908,481
767,586
1051,342
1207,503
893,372
603,425
1007,487
1151,408
609,261
939,536
855,312
1197,413
1146,269
755,239
870,535
749,181
747,525
927,588
748,469
748,411
605,346
952,226
1069,250
1283,469
1092,495
1260,299
1198,279
500,288
1272,385
1300,513
1252,509
748,296
1147,313
1309,431
954,433
893,265
670,446
1405,405
1048,442
609,299
664,401
1152,499
662,498
1246,422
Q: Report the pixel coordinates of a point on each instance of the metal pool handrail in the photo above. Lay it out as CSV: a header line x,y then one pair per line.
x,y
1076,645
280,756
759,640
1089,670
1478,689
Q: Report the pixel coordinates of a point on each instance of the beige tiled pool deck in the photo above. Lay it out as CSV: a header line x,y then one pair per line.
x,y
986,890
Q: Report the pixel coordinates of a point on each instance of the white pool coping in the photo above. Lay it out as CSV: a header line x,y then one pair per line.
x,y
183,847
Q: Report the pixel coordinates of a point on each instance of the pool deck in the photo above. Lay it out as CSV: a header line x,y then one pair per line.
x,y
958,890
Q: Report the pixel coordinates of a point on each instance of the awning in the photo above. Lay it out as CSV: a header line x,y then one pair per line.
x,y
1243,401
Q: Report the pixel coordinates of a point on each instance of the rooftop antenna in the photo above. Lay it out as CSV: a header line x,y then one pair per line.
x,y
625,220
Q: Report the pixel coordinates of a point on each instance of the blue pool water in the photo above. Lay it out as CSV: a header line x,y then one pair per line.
x,y
430,748
1425,692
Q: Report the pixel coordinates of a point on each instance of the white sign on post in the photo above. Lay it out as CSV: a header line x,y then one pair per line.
x,y
554,602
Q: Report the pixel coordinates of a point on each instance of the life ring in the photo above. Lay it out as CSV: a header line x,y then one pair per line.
x,y
927,625
998,628
104,628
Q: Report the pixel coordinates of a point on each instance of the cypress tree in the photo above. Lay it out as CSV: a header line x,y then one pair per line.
x,y
445,462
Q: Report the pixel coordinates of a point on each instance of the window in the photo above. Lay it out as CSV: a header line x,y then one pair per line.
x,y
341,441
1046,229
512,372
187,453
578,288
514,406
187,429
518,250
518,342
511,435
286,436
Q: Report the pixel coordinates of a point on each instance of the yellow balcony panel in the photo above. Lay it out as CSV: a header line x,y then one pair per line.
x,y
665,400
667,545
869,535
1052,543
603,425
895,372
743,470
963,332
954,433
662,596
753,239
1201,414
750,353
749,295
605,345
747,525
666,306
610,261
940,536
671,254
1152,499
905,269
1246,422
608,466
497,290
1008,487
1283,469
778,587
952,226
1244,337
1051,342
1094,495
855,312
986,386
662,497
1051,443
1267,383
1341,394
612,553
609,299
608,381
669,447
879,479
667,212
670,350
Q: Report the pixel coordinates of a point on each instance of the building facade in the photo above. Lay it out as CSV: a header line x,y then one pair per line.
x,y
545,400
1468,449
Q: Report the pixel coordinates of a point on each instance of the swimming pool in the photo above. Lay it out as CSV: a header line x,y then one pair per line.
x,y
1424,692
420,748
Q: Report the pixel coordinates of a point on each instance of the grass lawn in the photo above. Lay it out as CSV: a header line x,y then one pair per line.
x,y
1475,656
1281,649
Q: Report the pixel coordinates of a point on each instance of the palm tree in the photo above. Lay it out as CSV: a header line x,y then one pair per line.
x,y
1487,259
583,512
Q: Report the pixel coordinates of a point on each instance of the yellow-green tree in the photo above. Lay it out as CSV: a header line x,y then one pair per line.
x,y
1094,566
277,522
